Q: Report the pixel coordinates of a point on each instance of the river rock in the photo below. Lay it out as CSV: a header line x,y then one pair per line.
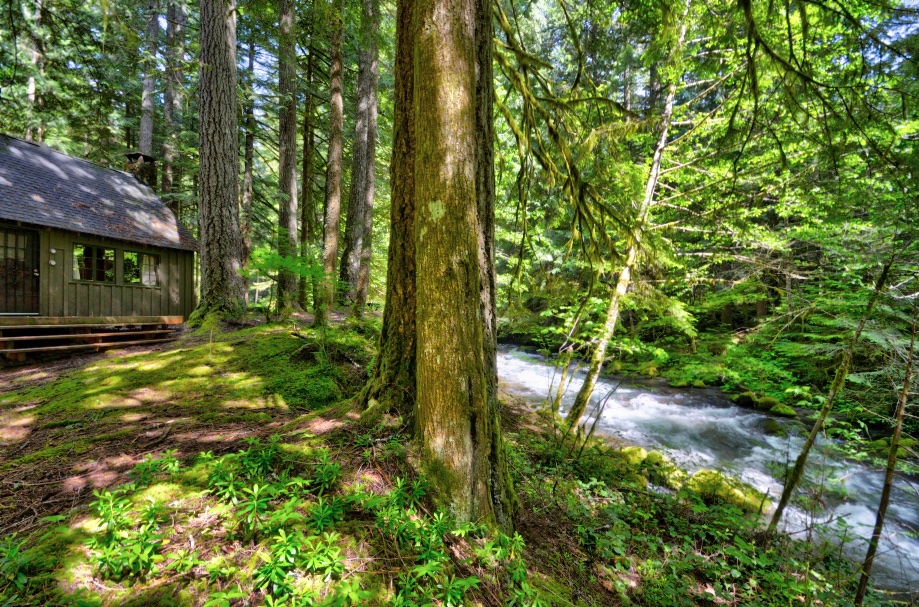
x,y
635,456
783,410
765,403
662,471
746,399
774,427
713,486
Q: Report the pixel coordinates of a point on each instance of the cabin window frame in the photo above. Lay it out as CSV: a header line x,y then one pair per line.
x,y
76,273
143,269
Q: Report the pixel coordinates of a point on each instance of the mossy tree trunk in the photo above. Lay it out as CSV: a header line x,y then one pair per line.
x,y
355,256
440,285
392,384
624,280
34,129
151,44
248,152
332,214
219,241
839,381
889,472
287,152
308,218
456,408
176,18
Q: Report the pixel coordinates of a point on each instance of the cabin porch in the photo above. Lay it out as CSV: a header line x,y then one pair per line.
x,y
22,335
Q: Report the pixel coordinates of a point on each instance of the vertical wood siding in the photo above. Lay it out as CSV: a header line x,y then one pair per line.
x,y
61,295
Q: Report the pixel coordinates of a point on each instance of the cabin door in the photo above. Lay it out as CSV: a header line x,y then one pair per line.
x,y
18,271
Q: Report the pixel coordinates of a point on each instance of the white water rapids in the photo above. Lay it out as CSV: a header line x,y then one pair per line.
x,y
699,428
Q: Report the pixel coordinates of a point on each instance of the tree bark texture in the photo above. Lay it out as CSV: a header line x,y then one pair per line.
x,y
309,221
359,222
287,145
392,384
176,18
220,246
889,471
332,207
248,154
34,131
452,413
839,381
504,500
145,140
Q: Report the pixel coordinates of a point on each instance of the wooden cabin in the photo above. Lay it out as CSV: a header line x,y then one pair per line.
x,y
87,255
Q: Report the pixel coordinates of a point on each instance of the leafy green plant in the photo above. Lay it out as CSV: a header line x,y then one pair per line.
x,y
253,507
13,563
326,474
183,561
325,513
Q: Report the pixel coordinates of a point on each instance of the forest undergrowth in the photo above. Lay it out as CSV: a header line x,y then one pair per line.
x,y
232,469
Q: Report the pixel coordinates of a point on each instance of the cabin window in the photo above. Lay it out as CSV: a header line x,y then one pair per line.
x,y
141,268
93,263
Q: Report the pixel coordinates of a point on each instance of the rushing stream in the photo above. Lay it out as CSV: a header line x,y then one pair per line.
x,y
699,428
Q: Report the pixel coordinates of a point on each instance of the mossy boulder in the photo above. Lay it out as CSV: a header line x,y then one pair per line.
x,y
765,403
712,486
783,410
635,456
662,471
774,427
699,384
746,399
678,383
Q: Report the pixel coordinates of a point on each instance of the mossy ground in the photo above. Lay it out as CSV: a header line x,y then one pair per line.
x,y
189,427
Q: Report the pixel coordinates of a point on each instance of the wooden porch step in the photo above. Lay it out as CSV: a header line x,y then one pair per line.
x,y
85,335
54,322
99,346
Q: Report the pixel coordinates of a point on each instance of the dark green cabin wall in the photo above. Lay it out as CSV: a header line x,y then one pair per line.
x,y
63,296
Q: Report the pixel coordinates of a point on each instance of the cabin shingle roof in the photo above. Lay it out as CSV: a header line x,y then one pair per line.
x,y
44,187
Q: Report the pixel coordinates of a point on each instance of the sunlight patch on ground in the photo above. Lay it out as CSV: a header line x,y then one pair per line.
x,y
15,429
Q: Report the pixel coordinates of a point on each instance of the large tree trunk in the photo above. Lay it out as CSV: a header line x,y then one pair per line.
x,y
172,101
359,222
248,153
308,219
34,128
218,207
287,145
145,143
454,419
392,384
504,500
333,173
839,381
889,472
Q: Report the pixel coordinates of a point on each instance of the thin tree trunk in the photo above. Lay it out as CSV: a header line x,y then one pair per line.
x,y
836,387
392,384
172,101
220,245
889,472
308,220
248,153
145,143
360,202
287,145
625,271
333,173
34,131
